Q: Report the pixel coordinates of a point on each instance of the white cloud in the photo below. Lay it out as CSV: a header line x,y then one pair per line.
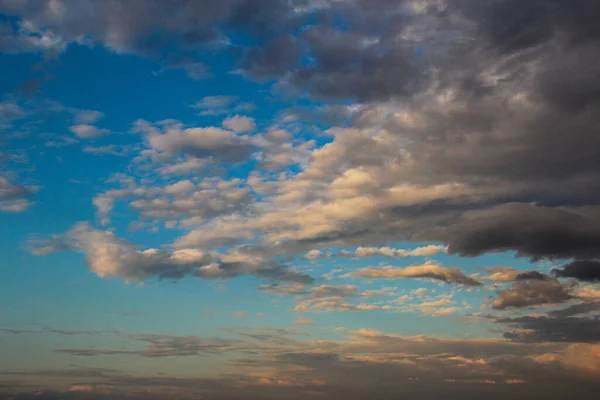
x,y
361,252
239,123
429,271
85,131
86,116
111,257
203,142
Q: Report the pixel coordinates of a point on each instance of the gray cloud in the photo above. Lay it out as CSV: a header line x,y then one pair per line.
x,y
531,231
533,293
582,270
570,324
333,291
14,197
109,256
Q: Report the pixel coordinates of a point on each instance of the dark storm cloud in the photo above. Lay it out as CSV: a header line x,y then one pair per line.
x,y
581,269
352,64
531,231
141,28
272,59
513,25
566,325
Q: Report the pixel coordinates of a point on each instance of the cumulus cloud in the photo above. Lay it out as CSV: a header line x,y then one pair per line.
x,y
182,167
214,142
85,131
240,123
427,271
533,293
111,257
177,200
442,306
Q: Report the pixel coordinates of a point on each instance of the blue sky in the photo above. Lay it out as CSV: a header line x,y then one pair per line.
x,y
298,198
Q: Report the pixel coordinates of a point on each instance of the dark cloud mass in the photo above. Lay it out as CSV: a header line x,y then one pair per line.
x,y
571,324
532,231
582,270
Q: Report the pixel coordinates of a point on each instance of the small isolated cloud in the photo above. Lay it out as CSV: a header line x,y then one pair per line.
x,y
111,149
283,289
240,124
303,321
203,142
10,111
214,105
443,306
86,116
85,131
60,141
383,292
13,197
333,291
238,314
335,304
